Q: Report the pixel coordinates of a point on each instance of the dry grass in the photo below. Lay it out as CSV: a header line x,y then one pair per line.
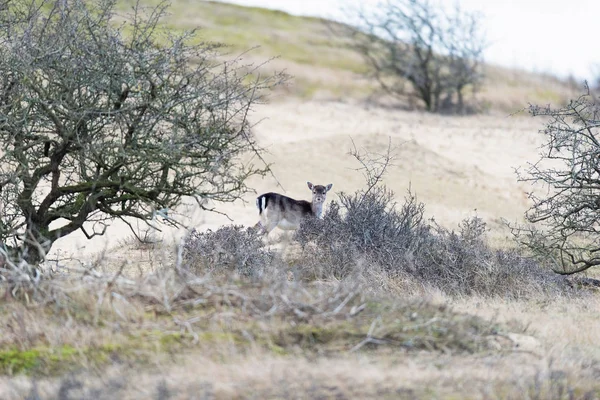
x,y
454,164
165,336
509,90
264,376
190,329
201,322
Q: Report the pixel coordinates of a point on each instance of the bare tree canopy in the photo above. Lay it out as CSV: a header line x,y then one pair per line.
x,y
439,52
106,116
567,215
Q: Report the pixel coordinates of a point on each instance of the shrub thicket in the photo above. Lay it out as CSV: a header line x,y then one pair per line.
x,y
229,248
370,231
366,236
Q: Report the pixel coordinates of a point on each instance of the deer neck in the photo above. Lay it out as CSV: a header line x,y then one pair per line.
x,y
317,209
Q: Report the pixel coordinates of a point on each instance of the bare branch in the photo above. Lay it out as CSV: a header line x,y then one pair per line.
x,y
100,121
568,172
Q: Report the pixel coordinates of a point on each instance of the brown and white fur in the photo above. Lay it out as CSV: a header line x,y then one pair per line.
x,y
277,210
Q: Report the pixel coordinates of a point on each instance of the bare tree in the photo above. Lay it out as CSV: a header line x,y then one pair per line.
x,y
437,51
100,121
567,215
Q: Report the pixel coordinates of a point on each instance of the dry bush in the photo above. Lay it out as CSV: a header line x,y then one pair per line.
x,y
179,320
229,248
463,263
565,196
367,231
364,227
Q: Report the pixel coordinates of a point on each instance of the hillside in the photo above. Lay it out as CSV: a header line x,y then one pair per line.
x,y
431,302
320,61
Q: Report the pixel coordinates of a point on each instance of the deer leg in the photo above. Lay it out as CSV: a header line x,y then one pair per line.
x,y
265,226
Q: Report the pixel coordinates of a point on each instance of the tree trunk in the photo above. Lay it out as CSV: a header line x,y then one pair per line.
x,y
424,93
35,246
461,103
437,94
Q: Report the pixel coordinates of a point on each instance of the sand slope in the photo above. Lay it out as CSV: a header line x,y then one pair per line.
x,y
455,165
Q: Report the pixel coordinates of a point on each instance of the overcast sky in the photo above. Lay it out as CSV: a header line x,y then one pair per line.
x,y
556,36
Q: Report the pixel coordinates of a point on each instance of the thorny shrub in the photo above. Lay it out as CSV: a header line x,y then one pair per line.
x,y
368,230
368,237
229,248
362,228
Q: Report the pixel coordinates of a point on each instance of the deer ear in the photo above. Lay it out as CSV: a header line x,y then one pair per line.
x,y
328,187
310,185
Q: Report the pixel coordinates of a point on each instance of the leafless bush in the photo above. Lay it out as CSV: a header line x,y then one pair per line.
x,y
566,211
229,248
363,228
463,263
364,232
368,230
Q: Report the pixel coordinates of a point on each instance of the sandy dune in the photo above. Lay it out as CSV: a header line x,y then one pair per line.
x,y
455,165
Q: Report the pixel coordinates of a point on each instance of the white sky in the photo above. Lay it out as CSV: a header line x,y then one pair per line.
x,y
561,37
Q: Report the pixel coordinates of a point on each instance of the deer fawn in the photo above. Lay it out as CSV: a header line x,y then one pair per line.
x,y
277,210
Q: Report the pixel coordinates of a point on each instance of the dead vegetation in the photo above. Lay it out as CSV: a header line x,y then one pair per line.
x,y
106,335
369,231
358,303
228,249
227,301
358,296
